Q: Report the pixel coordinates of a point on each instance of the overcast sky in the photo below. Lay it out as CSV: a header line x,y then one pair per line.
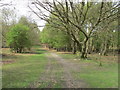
x,y
21,8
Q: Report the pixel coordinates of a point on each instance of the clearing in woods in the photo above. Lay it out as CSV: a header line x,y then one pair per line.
x,y
42,68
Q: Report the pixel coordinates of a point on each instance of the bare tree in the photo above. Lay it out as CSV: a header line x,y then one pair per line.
x,y
5,4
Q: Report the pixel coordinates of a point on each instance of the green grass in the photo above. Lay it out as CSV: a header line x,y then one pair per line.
x,y
96,76
99,77
27,68
24,70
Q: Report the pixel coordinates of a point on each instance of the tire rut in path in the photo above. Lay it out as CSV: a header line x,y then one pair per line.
x,y
69,79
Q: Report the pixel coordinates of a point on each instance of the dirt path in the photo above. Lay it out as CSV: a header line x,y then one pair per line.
x,y
58,73
68,68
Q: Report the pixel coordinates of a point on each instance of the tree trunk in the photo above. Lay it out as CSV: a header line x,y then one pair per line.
x,y
104,48
20,50
90,45
84,49
74,47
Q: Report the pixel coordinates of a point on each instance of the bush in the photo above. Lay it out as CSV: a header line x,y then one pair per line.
x,y
18,38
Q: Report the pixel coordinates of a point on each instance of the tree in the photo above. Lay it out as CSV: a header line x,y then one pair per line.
x,y
106,38
85,17
8,19
57,39
33,32
18,38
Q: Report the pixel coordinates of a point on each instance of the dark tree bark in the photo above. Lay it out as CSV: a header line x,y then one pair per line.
x,y
84,49
74,47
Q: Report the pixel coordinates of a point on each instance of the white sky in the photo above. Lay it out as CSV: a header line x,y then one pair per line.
x,y
21,8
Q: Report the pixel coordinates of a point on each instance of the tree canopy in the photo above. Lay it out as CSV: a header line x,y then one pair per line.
x,y
82,21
